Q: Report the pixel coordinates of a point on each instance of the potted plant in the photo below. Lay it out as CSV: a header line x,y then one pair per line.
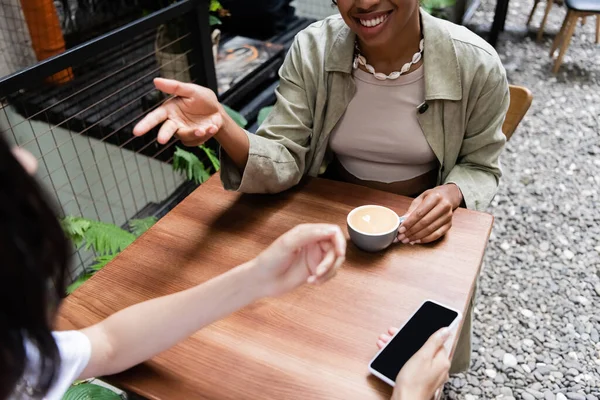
x,y
170,52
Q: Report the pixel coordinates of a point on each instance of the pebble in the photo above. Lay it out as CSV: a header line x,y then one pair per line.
x,y
568,254
582,300
535,393
527,313
560,396
576,396
528,343
509,360
491,373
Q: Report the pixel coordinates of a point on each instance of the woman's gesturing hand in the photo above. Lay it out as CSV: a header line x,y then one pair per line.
x,y
194,115
308,253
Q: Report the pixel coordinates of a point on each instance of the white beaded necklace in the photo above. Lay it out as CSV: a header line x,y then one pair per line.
x,y
360,59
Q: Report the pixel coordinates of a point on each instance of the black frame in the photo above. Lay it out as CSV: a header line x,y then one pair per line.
x,y
499,21
195,11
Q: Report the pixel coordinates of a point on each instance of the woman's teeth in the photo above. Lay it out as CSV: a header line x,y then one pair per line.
x,y
370,23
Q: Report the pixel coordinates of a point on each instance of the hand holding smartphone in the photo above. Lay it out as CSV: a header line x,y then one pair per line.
x,y
428,319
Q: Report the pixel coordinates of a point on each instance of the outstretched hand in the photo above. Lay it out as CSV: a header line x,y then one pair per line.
x,y
194,115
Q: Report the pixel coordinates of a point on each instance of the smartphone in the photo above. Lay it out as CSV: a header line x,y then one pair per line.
x,y
428,319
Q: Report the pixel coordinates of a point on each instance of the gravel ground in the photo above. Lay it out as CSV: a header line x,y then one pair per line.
x,y
537,317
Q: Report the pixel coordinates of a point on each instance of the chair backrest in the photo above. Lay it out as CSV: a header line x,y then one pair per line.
x,y
520,100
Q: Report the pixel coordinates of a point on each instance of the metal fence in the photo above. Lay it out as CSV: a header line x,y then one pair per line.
x,y
75,112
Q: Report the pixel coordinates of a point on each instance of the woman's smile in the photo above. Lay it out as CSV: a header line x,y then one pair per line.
x,y
371,24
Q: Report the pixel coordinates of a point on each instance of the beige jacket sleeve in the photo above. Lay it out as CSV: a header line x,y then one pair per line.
x,y
277,156
477,171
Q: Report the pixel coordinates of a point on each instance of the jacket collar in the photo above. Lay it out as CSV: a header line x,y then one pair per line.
x,y
442,71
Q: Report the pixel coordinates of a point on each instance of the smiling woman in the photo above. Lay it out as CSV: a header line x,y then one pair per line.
x,y
382,95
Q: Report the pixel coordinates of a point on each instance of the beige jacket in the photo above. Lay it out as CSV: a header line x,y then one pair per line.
x,y
466,96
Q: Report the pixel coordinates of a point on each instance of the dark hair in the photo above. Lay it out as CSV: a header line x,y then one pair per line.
x,y
34,256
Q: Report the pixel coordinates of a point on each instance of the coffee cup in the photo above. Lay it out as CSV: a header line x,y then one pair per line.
x,y
373,228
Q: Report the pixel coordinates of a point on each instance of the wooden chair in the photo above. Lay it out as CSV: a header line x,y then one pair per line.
x,y
576,9
549,4
520,100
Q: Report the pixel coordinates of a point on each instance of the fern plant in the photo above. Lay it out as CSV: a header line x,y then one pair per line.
x,y
85,391
187,162
438,8
106,240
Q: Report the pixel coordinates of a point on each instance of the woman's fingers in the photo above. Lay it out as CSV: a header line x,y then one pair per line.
x,y
437,234
170,86
340,243
303,235
441,367
151,120
435,344
384,338
326,263
166,132
331,272
424,207
436,219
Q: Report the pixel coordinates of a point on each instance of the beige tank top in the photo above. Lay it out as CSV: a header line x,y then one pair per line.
x,y
379,137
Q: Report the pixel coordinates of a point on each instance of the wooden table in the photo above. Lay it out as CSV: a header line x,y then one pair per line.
x,y
314,343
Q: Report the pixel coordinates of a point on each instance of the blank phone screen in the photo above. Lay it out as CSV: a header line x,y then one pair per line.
x,y
427,320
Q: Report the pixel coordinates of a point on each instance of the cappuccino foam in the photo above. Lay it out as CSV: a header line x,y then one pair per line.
x,y
374,220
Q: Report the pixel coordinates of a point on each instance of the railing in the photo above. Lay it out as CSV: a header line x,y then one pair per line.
x,y
80,130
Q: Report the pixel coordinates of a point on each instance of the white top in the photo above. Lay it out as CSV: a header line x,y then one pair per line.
x,y
379,137
75,350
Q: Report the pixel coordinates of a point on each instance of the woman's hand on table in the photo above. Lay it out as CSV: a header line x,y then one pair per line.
x,y
430,215
425,372
309,253
194,115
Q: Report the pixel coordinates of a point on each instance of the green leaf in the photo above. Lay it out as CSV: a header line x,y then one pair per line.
x,y
212,20
101,261
139,226
89,391
190,165
215,5
212,156
75,228
80,281
263,114
106,238
432,5
236,116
